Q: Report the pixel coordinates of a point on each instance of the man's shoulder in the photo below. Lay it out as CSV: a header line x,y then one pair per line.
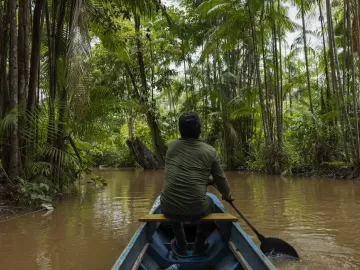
x,y
207,147
204,145
173,142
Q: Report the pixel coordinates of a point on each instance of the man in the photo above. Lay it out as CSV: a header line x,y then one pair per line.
x,y
189,164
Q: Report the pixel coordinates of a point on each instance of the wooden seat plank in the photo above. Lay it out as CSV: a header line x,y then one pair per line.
x,y
210,217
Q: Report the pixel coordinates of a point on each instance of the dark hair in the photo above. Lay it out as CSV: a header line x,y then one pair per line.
x,y
189,125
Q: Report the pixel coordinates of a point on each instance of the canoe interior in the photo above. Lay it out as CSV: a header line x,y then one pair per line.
x,y
159,254
229,247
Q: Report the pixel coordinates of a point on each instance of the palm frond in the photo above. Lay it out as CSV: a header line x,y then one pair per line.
x,y
59,157
40,167
9,120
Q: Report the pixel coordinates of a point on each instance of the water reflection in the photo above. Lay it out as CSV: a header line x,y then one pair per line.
x,y
318,217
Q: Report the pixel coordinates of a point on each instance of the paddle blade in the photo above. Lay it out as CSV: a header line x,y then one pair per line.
x,y
276,246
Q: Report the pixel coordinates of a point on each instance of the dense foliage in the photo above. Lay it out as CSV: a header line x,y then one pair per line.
x,y
81,80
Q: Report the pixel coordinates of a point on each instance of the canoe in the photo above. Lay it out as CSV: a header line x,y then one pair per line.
x,y
230,248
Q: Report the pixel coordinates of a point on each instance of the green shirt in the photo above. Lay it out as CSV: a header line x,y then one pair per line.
x,y
188,165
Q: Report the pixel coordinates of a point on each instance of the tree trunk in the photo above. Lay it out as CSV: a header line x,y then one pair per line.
x,y
277,81
306,56
35,54
184,63
333,74
357,18
52,78
38,19
63,98
23,66
342,92
257,65
131,127
13,83
354,96
131,118
268,115
2,101
5,97
280,127
23,49
328,93
157,141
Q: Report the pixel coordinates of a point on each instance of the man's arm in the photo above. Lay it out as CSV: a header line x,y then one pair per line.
x,y
220,180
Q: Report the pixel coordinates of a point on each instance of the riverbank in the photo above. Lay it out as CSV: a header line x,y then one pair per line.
x,y
327,170
330,170
9,209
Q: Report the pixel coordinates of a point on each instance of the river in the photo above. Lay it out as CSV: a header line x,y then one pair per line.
x,y
319,217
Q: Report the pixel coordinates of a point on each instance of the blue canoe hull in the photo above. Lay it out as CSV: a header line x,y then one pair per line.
x,y
229,247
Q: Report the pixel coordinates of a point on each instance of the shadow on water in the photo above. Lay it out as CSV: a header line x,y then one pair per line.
x,y
318,217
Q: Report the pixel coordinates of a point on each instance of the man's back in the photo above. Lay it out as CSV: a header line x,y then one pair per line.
x,y
189,163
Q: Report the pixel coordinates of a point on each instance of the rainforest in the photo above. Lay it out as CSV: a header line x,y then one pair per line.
x,y
89,83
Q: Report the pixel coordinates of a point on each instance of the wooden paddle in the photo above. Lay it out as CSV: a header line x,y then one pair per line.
x,y
269,245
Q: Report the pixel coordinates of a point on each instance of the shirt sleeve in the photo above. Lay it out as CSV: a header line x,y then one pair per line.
x,y
219,178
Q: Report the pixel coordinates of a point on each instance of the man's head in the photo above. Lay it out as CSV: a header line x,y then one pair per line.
x,y
189,125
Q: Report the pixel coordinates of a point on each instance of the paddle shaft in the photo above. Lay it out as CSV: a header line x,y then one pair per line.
x,y
259,235
268,244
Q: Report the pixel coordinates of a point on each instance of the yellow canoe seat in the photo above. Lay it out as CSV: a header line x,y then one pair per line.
x,y
210,217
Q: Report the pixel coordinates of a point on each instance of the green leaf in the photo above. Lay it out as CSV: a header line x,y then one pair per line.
x,y
329,115
209,6
129,104
122,55
244,111
43,185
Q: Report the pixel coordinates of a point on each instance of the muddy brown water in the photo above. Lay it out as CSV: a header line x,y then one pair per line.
x,y
320,218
